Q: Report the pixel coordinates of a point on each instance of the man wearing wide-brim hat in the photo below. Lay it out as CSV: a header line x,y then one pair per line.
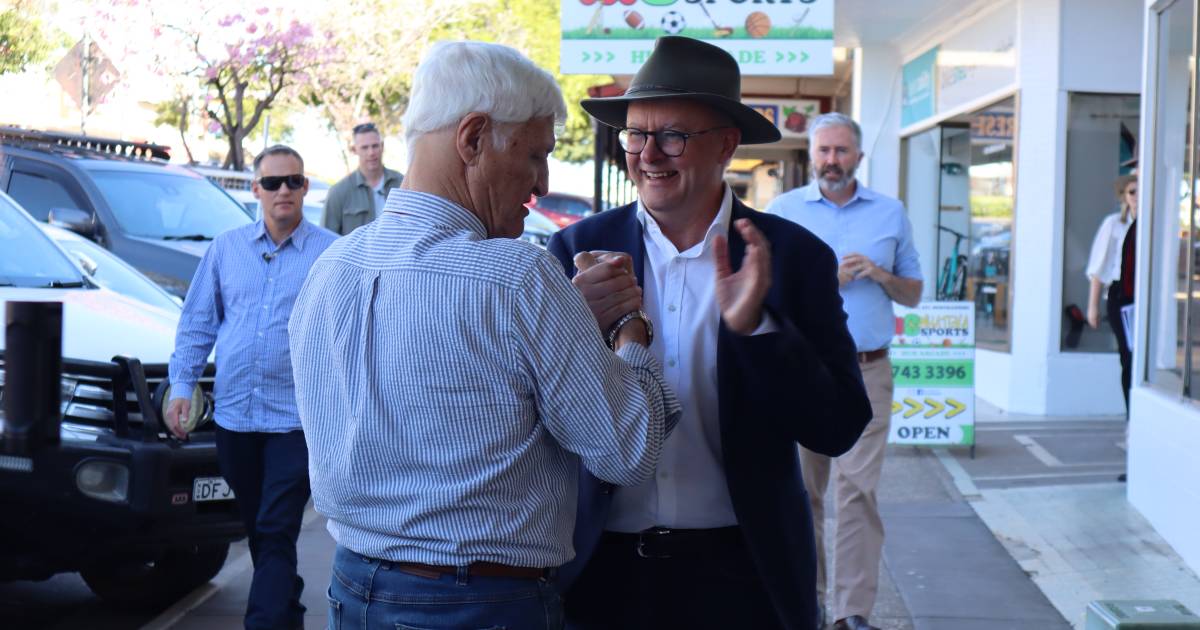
x,y
751,335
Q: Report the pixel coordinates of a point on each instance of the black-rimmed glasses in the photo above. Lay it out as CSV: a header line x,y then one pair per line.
x,y
669,141
273,182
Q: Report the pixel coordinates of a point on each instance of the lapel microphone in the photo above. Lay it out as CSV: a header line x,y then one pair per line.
x,y
269,256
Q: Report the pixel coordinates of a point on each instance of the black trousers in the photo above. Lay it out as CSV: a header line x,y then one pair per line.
x,y
713,584
1115,301
269,476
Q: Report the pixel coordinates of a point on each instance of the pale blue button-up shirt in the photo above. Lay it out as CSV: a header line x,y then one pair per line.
x,y
240,299
870,224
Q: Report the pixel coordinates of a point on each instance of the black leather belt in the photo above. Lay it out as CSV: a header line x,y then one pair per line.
x,y
662,542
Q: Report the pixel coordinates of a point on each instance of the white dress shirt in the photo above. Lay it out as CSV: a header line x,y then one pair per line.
x,y
688,489
1104,263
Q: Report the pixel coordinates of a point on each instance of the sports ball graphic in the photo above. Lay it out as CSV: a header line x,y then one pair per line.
x,y
673,23
758,24
634,19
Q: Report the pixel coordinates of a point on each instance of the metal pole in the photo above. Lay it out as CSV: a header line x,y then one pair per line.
x,y
1190,265
32,376
267,132
85,60
599,136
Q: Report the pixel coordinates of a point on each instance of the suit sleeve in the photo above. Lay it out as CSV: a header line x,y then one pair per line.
x,y
805,376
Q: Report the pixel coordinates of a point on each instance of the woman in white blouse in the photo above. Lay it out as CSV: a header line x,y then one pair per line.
x,y
1111,258
1104,263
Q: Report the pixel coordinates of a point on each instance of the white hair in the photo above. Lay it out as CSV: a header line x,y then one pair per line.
x,y
458,78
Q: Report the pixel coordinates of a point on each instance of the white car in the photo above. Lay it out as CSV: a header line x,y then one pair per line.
x,y
110,272
140,516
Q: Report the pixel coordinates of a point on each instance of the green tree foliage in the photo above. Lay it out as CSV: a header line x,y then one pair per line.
x,y
532,26
24,40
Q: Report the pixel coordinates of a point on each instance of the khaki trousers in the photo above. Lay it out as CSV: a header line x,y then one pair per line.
x,y
859,543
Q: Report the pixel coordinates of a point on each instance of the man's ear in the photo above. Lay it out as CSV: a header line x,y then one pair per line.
x,y
468,137
729,143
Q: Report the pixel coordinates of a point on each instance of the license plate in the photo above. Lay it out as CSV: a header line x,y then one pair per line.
x,y
211,489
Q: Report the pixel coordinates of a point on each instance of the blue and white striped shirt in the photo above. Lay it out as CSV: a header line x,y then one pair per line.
x,y
448,385
240,299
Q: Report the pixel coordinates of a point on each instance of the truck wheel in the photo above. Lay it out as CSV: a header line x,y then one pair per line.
x,y
155,582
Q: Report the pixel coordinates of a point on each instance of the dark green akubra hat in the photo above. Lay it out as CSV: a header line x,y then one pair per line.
x,y
686,68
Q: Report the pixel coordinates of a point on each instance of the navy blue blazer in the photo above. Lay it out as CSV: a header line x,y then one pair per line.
x,y
801,384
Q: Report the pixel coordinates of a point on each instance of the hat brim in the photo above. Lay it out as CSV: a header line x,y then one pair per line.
x,y
755,128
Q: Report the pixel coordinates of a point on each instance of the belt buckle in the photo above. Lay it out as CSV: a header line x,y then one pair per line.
x,y
641,543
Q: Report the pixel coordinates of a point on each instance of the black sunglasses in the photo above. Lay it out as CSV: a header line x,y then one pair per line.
x,y
364,128
273,182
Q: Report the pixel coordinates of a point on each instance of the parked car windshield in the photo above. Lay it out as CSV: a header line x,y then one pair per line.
x,y
27,257
114,274
169,206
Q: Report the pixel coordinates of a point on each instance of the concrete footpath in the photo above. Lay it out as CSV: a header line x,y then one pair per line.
x,y
1023,536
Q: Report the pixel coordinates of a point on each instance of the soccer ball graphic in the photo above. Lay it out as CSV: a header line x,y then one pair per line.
x,y
673,23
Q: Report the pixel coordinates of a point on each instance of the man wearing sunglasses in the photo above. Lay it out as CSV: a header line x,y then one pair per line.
x,y
752,338
357,199
240,301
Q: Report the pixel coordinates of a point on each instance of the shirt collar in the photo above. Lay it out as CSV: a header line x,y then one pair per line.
x,y
297,237
860,192
388,176
435,211
720,224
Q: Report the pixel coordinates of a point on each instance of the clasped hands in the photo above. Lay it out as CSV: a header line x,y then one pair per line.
x,y
609,285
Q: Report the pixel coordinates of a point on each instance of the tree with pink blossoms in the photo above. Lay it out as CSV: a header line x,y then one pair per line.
x,y
239,62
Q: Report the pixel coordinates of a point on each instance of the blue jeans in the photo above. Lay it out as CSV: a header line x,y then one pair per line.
x,y
365,593
269,476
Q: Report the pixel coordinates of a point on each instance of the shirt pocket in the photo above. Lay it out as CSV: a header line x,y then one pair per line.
x,y
355,217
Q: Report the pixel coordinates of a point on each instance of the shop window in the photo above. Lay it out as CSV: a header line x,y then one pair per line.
x,y
1101,144
1173,326
959,190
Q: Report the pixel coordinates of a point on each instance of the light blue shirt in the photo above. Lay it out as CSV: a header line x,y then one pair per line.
x,y
240,299
870,224
449,385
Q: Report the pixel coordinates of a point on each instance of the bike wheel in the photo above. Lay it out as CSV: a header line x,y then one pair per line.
x,y
960,280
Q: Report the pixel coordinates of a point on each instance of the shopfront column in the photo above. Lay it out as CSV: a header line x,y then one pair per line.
x,y
875,71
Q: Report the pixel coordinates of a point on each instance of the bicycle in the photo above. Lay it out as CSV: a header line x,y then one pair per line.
x,y
952,283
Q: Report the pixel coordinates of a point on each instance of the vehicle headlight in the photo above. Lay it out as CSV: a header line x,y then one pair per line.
x,y
103,480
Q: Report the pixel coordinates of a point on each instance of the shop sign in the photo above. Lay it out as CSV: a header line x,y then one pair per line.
x,y
933,368
992,126
978,60
918,89
767,37
790,115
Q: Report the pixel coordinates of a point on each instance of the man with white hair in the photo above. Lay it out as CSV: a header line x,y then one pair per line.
x,y
878,265
450,378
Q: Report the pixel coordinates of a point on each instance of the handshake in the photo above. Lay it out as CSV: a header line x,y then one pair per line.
x,y
609,285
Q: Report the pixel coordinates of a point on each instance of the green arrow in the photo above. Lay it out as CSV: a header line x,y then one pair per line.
x,y
611,56
791,57
778,56
803,56
586,56
597,56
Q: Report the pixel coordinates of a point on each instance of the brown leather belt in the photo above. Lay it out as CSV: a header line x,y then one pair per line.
x,y
477,569
874,355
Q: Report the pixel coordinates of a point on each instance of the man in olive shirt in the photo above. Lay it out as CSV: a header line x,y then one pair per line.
x,y
355,201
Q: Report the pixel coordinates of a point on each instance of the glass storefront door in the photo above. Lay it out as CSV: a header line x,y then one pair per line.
x,y
959,191
1172,360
